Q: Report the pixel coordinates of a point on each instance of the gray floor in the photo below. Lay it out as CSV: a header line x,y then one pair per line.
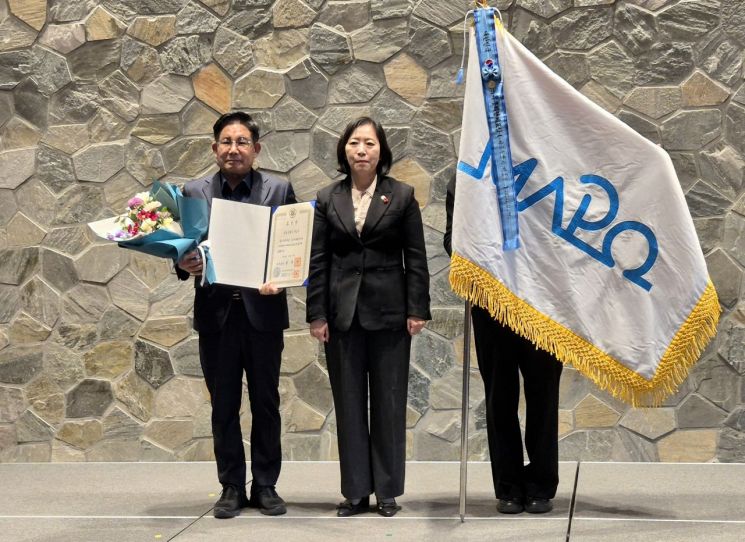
x,y
125,502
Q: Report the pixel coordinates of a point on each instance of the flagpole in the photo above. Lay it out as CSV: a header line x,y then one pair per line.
x,y
464,410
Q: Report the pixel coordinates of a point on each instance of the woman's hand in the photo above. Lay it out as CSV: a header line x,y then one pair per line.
x,y
269,289
191,263
320,330
414,325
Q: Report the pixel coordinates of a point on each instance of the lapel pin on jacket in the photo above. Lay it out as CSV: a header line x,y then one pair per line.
x,y
384,199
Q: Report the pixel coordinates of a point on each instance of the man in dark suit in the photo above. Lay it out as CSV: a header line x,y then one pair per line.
x,y
503,355
240,330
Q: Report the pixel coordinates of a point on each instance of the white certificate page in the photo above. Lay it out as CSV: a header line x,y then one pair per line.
x,y
239,233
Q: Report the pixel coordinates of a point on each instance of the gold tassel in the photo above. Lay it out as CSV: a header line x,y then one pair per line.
x,y
473,283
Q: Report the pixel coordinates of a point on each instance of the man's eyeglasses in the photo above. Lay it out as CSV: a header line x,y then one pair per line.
x,y
241,143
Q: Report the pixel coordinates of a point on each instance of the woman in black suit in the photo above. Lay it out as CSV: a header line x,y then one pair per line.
x,y
368,294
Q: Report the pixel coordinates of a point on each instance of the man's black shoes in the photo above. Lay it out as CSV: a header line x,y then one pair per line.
x,y
347,508
230,502
538,506
265,498
510,506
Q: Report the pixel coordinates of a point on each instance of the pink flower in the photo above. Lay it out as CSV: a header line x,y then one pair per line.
x,y
134,202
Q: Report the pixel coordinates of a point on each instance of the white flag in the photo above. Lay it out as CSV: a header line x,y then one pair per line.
x,y
609,276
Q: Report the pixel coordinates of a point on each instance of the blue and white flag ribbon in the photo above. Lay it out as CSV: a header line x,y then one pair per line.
x,y
609,275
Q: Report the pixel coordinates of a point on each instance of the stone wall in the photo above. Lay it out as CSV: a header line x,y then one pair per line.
x,y
98,98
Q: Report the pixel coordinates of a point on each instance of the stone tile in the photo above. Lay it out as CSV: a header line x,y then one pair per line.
x,y
20,364
11,404
298,417
63,38
329,48
428,44
99,162
313,387
281,49
40,301
108,360
181,397
90,398
307,179
31,12
591,445
31,428
696,412
259,89
17,134
144,163
186,54
291,14
189,156
62,364
197,119
85,303
724,168
213,87
592,412
307,84
336,118
380,40
431,148
82,434
9,298
406,78
299,352
137,395
100,263
170,434
109,450
152,363
185,358
15,34
26,329
194,19
284,150
22,232
46,398
601,96
289,114
634,28
655,102
116,324
432,354
119,425
697,445
149,269
166,331
154,30
102,25
139,61
704,201
651,423
410,172
18,165
678,132
167,94
232,51
700,90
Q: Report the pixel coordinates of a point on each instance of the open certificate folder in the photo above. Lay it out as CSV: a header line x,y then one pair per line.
x,y
254,244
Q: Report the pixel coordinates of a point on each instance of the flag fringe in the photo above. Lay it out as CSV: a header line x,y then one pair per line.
x,y
473,283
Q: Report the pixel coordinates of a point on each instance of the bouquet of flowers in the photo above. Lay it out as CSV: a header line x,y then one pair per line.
x,y
144,215
161,222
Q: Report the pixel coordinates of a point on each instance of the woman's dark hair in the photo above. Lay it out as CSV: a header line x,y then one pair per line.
x,y
236,117
386,156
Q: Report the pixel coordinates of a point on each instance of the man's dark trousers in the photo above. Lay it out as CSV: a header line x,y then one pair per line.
x,y
502,356
225,355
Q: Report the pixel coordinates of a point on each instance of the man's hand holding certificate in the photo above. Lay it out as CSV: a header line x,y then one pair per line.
x,y
252,245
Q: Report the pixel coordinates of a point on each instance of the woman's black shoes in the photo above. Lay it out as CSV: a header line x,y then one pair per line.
x,y
510,506
387,509
347,508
